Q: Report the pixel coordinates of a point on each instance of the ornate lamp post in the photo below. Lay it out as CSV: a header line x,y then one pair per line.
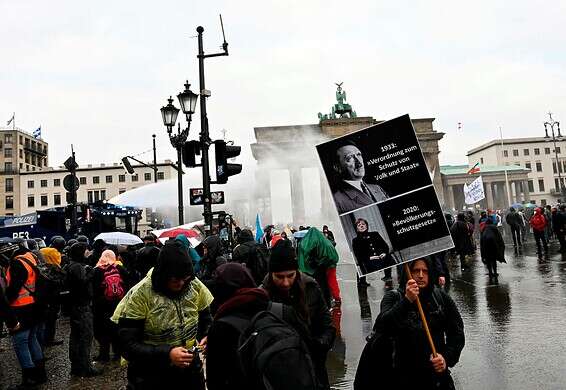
x,y
187,100
552,124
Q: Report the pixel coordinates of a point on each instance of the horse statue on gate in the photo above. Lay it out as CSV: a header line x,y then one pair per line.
x,y
341,109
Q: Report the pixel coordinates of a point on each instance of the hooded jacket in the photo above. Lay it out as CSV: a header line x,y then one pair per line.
x,y
538,221
152,320
193,254
213,258
243,250
399,318
79,276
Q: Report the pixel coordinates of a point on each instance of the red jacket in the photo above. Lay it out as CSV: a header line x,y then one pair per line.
x,y
538,221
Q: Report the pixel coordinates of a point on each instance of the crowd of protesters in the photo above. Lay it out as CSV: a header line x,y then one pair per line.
x,y
207,317
156,307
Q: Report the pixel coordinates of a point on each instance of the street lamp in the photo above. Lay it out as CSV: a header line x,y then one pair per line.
x,y
187,100
551,125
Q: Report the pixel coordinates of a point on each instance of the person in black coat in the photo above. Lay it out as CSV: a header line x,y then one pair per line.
x,y
492,248
462,239
236,295
213,258
399,318
514,220
371,251
80,300
286,284
249,253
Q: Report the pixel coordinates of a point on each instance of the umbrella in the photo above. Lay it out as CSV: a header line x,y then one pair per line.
x,y
119,238
517,205
300,233
530,206
189,233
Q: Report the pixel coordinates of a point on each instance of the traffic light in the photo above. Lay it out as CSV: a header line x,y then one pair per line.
x,y
190,150
224,169
127,165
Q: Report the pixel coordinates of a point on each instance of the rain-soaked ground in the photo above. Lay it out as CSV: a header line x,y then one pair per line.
x,y
515,330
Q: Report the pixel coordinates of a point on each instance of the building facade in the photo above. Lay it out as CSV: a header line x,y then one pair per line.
x,y
495,187
44,189
536,154
20,152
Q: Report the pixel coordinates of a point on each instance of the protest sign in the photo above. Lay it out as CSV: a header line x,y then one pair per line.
x,y
473,193
383,192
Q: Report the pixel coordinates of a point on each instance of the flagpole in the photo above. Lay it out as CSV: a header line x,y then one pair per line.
x,y
14,121
505,169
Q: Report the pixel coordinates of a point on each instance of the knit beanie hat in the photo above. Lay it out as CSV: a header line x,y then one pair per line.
x,y
283,257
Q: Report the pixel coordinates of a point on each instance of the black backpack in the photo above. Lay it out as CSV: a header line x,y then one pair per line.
x,y
258,262
49,280
272,354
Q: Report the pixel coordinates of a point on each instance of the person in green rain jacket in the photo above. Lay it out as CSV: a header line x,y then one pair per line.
x,y
161,321
318,258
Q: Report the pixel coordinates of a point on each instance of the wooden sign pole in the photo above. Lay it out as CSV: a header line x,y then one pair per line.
x,y
421,312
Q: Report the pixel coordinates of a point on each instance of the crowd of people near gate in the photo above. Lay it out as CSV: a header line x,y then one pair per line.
x,y
255,317
490,230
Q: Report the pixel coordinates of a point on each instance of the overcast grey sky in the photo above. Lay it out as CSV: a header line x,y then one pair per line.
x,y
96,73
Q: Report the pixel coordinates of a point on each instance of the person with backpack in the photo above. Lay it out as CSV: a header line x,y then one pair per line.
x,y
252,255
538,223
398,353
21,288
80,300
163,322
109,282
52,258
286,284
237,362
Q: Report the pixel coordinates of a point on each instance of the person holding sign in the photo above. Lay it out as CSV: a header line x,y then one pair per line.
x,y
415,364
371,250
352,192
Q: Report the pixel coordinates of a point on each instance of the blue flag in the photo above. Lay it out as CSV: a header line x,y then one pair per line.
x,y
37,132
258,228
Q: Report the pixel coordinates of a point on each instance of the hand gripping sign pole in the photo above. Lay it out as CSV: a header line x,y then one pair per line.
x,y
420,308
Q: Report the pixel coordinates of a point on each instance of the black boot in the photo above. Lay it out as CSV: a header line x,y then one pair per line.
x,y
40,374
28,381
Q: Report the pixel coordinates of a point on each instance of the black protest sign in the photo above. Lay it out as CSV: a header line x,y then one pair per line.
x,y
378,175
414,218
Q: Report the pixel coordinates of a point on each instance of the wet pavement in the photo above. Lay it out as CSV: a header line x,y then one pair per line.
x,y
515,330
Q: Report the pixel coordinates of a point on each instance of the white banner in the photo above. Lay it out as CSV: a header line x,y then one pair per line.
x,y
473,193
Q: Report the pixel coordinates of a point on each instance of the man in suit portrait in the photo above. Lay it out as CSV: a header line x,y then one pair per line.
x,y
352,192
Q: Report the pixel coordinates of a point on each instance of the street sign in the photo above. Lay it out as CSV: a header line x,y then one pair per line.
x,y
71,183
71,164
196,197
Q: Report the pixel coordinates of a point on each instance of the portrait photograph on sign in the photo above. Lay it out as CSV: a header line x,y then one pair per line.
x,y
368,240
383,192
373,164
